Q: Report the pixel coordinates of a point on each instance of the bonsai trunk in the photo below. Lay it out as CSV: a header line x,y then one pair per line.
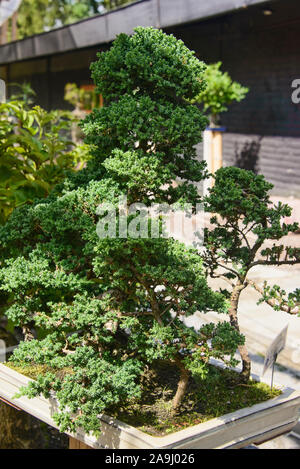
x,y
182,385
214,120
27,332
233,313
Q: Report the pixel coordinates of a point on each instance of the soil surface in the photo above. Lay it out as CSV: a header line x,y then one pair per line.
x,y
220,393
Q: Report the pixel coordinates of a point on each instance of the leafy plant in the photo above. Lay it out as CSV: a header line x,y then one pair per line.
x,y
35,152
112,4
37,16
220,92
243,220
80,98
23,92
109,307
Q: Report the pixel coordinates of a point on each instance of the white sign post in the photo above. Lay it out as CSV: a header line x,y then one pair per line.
x,y
2,91
273,351
2,351
212,153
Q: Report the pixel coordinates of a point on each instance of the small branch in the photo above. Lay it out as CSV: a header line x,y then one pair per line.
x,y
68,352
229,269
137,314
152,297
226,280
272,302
235,227
251,228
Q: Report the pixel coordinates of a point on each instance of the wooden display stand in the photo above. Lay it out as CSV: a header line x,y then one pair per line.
x,y
76,444
213,152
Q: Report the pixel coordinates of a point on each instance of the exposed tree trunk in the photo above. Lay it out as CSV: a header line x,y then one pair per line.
x,y
182,385
246,363
76,444
28,334
233,313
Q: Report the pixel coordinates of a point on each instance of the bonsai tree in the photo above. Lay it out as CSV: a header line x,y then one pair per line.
x,y
104,308
81,99
220,92
244,221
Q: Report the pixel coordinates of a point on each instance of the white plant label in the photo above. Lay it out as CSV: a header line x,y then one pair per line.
x,y
274,349
2,91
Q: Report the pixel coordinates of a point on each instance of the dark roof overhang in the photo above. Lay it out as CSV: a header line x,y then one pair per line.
x,y
102,29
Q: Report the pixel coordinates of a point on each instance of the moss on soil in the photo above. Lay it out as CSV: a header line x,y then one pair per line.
x,y
219,394
32,371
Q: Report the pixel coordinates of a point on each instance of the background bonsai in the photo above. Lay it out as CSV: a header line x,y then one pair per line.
x,y
244,220
105,308
220,92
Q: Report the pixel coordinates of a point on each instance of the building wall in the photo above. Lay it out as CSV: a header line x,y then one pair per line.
x,y
278,158
48,76
261,52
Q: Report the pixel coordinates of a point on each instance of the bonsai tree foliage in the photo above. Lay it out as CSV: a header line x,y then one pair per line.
x,y
105,308
243,224
220,92
35,151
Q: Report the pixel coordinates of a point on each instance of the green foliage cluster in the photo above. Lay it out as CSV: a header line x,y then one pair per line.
x,y
38,16
244,221
112,4
106,308
35,152
220,92
80,98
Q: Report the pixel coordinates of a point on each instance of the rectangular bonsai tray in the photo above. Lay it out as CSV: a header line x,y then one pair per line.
x,y
251,425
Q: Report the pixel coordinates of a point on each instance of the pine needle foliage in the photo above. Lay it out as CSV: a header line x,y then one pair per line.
x,y
106,308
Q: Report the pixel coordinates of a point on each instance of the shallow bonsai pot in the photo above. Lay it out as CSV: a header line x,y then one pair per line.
x,y
255,424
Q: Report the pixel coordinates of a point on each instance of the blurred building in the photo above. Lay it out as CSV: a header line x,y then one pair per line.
x,y
257,41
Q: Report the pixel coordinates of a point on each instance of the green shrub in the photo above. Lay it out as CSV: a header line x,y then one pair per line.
x,y
35,153
220,92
